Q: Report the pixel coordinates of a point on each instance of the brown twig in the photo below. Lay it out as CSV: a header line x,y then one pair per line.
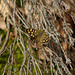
x,y
6,41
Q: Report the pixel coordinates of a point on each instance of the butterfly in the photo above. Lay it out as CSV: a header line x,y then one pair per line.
x,y
37,36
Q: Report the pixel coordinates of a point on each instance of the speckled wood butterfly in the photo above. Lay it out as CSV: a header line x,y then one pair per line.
x,y
39,37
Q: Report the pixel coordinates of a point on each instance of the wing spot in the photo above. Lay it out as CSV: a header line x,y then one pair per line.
x,y
31,34
35,31
43,40
31,29
28,31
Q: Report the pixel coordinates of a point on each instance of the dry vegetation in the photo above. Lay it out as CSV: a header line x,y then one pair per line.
x,y
56,18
